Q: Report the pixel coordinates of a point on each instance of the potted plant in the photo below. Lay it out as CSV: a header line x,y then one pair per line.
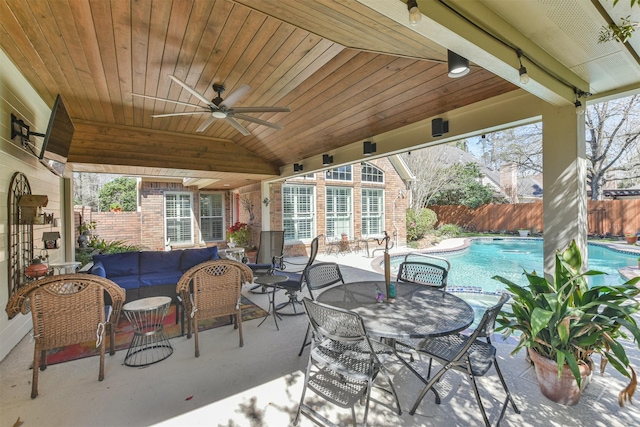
x,y
632,238
240,234
115,207
563,322
523,231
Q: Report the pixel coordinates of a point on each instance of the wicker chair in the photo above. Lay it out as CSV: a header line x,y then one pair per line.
x,y
424,273
469,355
319,276
343,362
213,289
68,309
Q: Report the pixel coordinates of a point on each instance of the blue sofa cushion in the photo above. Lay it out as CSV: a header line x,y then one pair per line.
x,y
124,264
164,278
159,262
127,282
98,269
192,257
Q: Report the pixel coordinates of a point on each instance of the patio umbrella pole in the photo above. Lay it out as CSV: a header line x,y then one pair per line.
x,y
387,265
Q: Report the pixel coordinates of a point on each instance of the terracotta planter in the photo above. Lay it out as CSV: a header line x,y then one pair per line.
x,y
564,390
631,239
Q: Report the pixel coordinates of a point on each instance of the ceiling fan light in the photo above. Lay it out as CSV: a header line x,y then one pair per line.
x,y
219,114
458,65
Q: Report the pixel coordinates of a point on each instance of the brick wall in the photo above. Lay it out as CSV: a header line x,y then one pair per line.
x,y
146,227
395,204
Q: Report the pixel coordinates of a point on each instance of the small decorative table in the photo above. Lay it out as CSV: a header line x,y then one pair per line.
x,y
150,343
236,254
65,266
271,281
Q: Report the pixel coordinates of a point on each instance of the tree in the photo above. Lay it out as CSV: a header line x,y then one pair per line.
x,y
612,138
431,168
121,191
86,188
466,188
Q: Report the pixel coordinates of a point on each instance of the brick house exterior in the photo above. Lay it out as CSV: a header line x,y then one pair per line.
x,y
147,226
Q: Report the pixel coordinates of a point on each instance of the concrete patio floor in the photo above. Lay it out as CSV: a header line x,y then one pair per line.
x,y
259,385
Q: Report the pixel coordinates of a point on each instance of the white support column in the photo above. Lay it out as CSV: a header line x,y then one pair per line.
x,y
564,181
266,210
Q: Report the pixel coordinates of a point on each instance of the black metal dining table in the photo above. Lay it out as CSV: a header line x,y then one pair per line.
x,y
416,312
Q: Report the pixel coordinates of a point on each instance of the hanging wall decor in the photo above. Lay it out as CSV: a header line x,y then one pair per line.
x,y
20,234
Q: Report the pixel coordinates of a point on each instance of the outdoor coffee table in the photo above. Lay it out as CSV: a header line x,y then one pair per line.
x,y
150,343
271,281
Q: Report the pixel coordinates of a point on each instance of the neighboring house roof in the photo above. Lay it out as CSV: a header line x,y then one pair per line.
x,y
530,187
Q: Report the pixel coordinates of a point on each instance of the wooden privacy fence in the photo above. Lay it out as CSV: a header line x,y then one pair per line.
x,y
604,217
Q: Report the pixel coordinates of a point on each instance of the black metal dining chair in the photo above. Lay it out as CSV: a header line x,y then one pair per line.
x,y
343,362
469,355
270,252
294,283
424,273
319,276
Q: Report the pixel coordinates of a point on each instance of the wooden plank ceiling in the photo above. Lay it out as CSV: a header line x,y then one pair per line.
x,y
346,72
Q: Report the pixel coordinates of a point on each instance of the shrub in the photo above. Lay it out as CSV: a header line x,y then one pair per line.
x,y
419,223
449,230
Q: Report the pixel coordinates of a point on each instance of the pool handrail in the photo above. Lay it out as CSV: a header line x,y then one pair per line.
x,y
446,261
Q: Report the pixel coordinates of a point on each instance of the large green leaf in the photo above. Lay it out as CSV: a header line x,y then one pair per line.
x,y
539,320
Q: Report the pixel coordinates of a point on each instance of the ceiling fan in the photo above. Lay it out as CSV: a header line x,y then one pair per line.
x,y
220,108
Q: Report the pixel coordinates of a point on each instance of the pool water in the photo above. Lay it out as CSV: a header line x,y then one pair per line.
x,y
472,269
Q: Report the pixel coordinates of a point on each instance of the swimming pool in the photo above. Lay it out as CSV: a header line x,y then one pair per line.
x,y
472,269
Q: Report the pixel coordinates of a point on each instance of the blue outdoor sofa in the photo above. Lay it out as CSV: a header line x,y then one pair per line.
x,y
150,273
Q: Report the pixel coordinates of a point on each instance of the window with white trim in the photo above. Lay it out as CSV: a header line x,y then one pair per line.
x,y
372,211
371,173
298,211
211,217
339,211
177,214
343,173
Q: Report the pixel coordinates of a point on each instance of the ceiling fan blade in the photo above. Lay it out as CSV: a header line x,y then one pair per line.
x,y
235,96
258,121
206,124
262,110
193,91
238,126
180,114
167,100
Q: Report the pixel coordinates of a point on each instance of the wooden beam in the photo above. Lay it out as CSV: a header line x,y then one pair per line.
x,y
99,143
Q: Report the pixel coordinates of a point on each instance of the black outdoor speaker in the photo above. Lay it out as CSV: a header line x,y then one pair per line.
x,y
439,127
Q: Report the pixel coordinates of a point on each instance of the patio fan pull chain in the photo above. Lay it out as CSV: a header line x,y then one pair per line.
x,y
100,333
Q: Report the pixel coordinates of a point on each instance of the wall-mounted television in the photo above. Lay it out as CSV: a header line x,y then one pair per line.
x,y
57,140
